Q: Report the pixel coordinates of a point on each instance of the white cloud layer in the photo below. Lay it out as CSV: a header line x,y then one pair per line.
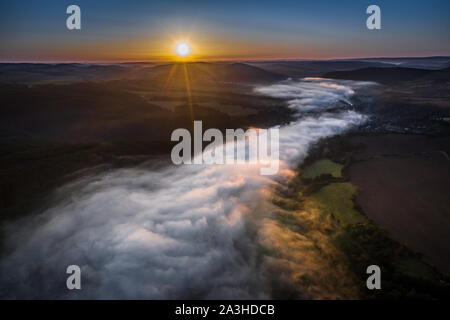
x,y
172,233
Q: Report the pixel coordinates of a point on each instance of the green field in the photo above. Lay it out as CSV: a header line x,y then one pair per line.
x,y
321,167
337,199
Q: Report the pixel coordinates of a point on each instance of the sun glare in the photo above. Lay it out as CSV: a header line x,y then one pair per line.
x,y
182,49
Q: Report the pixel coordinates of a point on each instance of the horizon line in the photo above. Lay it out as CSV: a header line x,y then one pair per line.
x,y
214,60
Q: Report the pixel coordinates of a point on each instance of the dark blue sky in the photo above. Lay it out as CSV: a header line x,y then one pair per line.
x,y
35,30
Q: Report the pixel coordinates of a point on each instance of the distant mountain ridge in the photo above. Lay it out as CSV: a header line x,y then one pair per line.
x,y
36,73
387,75
383,70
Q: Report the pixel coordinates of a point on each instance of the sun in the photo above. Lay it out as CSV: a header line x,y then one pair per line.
x,y
182,49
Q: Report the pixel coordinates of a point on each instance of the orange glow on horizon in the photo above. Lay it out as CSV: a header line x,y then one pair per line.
x,y
162,48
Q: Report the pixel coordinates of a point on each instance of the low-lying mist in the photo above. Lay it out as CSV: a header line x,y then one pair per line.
x,y
171,233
